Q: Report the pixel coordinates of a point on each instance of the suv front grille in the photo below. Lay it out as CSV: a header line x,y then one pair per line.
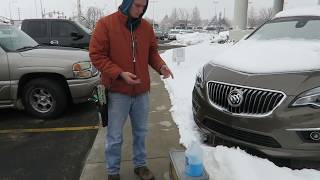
x,y
240,134
255,101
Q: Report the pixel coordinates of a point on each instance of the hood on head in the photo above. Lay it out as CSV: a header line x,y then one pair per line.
x,y
125,8
126,5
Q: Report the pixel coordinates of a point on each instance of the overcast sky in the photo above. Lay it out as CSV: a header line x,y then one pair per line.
x,y
31,8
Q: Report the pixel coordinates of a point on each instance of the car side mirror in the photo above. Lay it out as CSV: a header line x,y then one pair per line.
x,y
76,36
1,51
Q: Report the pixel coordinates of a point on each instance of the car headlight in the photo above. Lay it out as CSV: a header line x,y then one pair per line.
x,y
83,70
199,78
309,98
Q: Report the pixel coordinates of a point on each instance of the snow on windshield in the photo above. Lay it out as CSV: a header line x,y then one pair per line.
x,y
271,56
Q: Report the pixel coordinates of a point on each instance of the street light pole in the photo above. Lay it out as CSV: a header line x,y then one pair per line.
x,y
36,8
10,4
19,13
215,7
10,10
153,2
42,13
79,9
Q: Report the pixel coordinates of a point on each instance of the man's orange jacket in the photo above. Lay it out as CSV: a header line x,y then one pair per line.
x,y
112,52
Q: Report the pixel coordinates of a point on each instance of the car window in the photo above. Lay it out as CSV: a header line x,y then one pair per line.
x,y
37,29
83,27
12,38
299,28
62,29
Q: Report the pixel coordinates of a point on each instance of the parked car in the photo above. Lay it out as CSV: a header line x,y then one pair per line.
x,y
264,92
57,32
159,34
173,34
42,80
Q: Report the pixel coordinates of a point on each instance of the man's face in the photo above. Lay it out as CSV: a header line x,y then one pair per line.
x,y
137,8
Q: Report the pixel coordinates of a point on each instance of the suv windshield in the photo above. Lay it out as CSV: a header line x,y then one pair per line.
x,y
13,39
303,28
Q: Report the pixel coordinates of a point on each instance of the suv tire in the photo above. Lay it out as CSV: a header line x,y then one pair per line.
x,y
44,98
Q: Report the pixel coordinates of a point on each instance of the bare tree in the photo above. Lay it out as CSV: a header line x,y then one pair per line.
x,y
265,15
165,22
196,19
174,16
92,16
252,18
184,15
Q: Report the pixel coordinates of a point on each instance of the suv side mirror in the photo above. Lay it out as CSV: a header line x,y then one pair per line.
x,y
1,51
76,36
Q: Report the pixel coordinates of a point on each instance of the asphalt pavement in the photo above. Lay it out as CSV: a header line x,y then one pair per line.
x,y
34,149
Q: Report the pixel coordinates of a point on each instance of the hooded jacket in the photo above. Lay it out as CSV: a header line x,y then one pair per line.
x,y
131,22
114,48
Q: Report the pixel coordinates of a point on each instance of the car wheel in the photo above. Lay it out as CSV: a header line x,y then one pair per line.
x,y
44,98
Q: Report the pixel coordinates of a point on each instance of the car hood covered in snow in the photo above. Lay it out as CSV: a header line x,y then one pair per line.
x,y
271,56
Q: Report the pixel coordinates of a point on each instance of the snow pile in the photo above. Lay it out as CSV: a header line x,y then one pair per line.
x,y
222,163
222,37
190,38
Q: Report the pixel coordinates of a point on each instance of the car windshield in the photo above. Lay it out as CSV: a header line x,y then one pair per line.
x,y
302,28
13,39
83,28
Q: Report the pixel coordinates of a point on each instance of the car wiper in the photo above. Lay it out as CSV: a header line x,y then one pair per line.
x,y
25,48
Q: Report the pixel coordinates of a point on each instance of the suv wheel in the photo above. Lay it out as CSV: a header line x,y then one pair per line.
x,y
44,98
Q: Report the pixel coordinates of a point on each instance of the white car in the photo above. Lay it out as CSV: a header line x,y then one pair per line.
x,y
173,34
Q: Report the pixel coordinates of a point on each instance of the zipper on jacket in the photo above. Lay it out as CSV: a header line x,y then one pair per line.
x,y
133,55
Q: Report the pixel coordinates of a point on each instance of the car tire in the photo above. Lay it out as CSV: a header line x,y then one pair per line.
x,y
44,98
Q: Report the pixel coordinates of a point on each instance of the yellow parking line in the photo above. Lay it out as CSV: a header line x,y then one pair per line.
x,y
48,129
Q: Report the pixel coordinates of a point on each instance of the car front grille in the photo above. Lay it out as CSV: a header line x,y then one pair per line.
x,y
255,101
240,134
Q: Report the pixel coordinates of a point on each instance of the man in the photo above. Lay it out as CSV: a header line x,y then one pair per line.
x,y
121,48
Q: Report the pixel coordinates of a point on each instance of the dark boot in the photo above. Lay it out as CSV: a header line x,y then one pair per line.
x,y
144,173
114,177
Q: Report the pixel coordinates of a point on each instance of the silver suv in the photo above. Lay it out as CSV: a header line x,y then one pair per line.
x,y
42,80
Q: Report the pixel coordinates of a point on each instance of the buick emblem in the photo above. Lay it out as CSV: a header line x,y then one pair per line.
x,y
235,98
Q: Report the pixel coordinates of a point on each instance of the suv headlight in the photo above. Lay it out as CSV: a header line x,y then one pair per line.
x,y
199,78
84,70
309,98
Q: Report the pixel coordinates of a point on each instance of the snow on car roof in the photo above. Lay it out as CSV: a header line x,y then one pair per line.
x,y
305,11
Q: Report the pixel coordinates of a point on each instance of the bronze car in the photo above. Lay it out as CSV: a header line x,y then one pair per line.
x,y
264,92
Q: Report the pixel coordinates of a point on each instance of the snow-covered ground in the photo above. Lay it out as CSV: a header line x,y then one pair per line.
x,y
190,38
222,163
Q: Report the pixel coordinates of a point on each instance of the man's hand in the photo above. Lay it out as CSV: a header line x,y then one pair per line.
x,y
130,78
165,71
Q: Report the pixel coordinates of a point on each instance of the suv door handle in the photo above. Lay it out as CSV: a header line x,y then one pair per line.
x,y
54,42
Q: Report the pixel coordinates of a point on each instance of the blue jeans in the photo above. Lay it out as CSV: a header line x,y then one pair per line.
x,y
119,107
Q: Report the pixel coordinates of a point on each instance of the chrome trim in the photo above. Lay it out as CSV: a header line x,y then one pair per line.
x,y
7,106
306,104
304,129
247,87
